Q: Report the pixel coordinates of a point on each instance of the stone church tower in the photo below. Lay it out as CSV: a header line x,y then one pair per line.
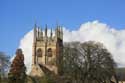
x,y
47,51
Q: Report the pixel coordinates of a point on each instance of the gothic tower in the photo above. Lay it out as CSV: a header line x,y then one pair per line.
x,y
47,50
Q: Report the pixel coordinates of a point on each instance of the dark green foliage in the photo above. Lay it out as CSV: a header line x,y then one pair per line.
x,y
120,72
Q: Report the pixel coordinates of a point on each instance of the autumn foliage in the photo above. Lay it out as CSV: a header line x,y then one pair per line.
x,y
17,69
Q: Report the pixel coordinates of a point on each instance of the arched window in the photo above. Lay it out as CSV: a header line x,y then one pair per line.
x,y
49,52
39,52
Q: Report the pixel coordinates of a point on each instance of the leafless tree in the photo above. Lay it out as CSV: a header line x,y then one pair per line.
x,y
4,63
89,62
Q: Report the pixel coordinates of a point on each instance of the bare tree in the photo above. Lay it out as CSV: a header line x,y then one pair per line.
x,y
4,63
89,62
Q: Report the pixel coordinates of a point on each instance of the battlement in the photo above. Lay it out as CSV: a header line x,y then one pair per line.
x,y
47,34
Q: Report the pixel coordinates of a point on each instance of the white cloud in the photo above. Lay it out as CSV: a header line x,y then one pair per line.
x,y
26,45
113,40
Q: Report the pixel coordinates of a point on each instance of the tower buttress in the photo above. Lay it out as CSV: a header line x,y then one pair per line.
x,y
35,31
34,45
51,34
46,41
41,34
61,33
46,31
57,32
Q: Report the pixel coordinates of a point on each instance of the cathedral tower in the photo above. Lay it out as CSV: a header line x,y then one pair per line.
x,y
47,50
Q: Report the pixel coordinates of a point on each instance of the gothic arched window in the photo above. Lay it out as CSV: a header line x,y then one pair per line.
x,y
49,52
39,53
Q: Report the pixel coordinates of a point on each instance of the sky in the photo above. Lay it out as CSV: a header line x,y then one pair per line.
x,y
112,39
17,17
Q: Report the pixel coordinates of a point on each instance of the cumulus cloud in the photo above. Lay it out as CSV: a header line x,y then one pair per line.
x,y
26,46
113,40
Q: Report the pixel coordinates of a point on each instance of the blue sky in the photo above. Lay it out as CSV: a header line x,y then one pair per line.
x,y
17,17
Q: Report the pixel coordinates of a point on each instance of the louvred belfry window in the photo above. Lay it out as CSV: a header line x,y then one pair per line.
x,y
39,52
49,52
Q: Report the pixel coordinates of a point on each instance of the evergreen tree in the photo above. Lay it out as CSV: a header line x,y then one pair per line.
x,y
17,71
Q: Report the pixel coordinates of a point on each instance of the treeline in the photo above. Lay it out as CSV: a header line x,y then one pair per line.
x,y
88,62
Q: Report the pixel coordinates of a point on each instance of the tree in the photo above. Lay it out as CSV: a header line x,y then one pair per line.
x,y
17,71
4,63
89,62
